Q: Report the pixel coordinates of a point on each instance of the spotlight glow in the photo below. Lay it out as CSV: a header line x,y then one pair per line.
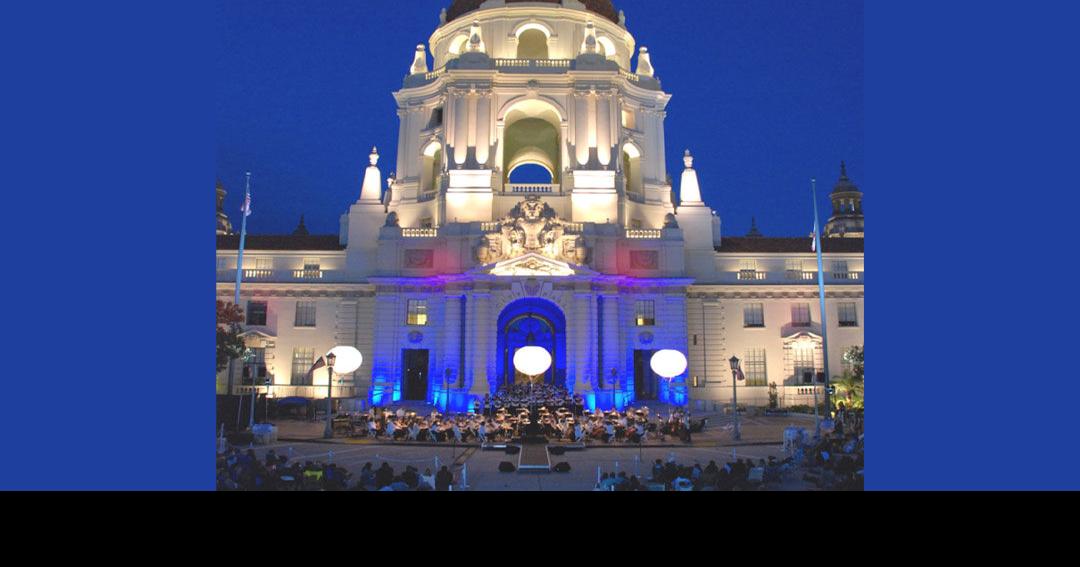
x,y
532,360
348,359
668,363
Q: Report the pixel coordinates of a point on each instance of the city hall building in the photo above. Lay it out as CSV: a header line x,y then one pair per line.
x,y
441,273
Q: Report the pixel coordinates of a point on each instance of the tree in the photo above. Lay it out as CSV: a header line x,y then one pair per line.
x,y
229,343
850,387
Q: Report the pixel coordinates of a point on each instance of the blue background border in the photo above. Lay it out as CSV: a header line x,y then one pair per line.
x,y
971,121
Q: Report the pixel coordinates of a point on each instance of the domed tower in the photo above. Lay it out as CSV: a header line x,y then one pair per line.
x,y
223,224
847,217
531,98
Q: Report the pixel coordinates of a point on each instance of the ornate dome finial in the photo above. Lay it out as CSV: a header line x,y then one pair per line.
x,y
301,229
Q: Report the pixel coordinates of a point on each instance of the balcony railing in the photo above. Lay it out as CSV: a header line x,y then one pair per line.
x,y
751,275
801,275
419,232
531,188
258,274
308,274
533,63
847,275
644,234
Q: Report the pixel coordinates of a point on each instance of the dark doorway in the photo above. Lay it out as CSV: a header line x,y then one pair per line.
x,y
646,383
415,363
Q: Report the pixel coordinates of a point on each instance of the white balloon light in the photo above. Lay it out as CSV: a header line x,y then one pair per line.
x,y
532,360
668,363
348,359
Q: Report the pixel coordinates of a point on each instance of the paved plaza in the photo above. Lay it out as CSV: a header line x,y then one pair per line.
x,y
476,469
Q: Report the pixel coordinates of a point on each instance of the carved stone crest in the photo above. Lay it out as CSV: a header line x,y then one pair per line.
x,y
531,227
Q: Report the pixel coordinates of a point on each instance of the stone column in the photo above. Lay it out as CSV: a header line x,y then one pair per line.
x,y
583,337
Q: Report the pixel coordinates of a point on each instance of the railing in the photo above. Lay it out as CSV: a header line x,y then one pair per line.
x,y
419,232
308,274
644,234
289,390
847,275
435,74
751,275
630,76
801,275
258,274
531,188
491,226
573,227
537,63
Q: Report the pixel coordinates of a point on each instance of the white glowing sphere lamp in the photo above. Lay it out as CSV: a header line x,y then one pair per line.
x,y
532,360
348,359
668,363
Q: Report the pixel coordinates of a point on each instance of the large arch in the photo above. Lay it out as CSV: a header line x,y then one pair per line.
x,y
532,134
531,321
632,168
532,43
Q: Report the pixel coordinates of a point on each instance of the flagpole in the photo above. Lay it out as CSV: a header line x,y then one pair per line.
x,y
821,298
240,266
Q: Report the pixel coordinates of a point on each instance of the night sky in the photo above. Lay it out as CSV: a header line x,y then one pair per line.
x,y
767,94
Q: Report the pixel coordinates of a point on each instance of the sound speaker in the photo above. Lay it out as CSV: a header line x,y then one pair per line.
x,y
562,468
507,466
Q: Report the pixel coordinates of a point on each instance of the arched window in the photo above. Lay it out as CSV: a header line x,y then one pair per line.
x,y
532,137
632,169
431,171
457,46
607,47
532,44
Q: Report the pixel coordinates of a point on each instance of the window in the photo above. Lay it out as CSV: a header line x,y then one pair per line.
x,y
645,313
312,265
222,264
628,119
840,267
800,315
427,222
302,360
748,270
755,367
636,224
847,315
264,263
417,315
305,313
804,365
254,373
256,313
754,315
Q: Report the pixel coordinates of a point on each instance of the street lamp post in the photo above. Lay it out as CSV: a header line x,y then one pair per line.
x,y
736,434
331,358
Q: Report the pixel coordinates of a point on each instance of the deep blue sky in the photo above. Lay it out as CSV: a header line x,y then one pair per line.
x,y
767,94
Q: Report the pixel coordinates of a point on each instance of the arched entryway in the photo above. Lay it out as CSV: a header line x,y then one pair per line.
x,y
532,322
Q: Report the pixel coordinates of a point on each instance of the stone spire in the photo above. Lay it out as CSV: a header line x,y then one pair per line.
x,y
590,45
476,39
644,63
419,64
690,190
371,192
754,232
301,229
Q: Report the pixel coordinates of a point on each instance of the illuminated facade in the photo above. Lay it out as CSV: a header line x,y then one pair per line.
x,y
440,273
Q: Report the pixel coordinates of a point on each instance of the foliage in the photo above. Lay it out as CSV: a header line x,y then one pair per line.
x,y
229,343
850,387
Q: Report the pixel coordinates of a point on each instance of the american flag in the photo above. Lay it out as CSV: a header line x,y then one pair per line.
x,y
246,208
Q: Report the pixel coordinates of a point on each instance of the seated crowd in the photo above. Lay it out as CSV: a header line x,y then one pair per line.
x,y
243,471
